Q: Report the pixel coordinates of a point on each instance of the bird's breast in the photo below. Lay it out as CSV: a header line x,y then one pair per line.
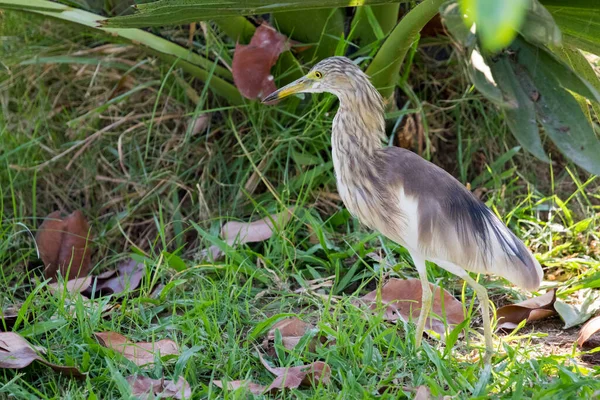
x,y
365,196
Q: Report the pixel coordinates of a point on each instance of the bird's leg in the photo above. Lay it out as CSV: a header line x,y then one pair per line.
x,y
426,299
485,313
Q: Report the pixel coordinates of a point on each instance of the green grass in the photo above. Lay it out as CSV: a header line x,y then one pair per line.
x,y
151,185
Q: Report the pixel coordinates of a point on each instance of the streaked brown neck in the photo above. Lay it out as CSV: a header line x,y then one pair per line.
x,y
358,131
359,125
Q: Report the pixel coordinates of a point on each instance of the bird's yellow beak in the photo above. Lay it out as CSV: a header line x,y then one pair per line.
x,y
298,86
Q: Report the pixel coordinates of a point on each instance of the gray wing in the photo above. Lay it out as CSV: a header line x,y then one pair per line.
x,y
449,214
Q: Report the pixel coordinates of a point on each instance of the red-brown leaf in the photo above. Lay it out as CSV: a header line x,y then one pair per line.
x,y
510,316
587,331
252,63
292,330
402,299
17,353
141,353
147,388
64,245
293,377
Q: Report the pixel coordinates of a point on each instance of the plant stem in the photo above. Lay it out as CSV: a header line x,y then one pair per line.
x,y
385,67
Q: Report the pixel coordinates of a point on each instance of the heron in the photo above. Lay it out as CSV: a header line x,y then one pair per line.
x,y
409,199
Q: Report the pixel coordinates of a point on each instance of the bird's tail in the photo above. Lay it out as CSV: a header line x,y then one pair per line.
x,y
510,258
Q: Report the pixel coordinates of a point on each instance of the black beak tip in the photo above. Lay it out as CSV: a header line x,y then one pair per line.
x,y
270,98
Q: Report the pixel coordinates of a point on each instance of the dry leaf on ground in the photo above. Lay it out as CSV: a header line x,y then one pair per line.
x,y
402,298
587,331
16,352
235,233
286,378
510,316
64,245
8,317
423,393
141,353
73,286
126,277
256,231
293,377
200,123
254,388
143,388
252,63
291,329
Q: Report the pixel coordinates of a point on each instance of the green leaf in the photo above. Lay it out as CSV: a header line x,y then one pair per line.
x,y
385,67
558,111
172,12
539,27
578,63
324,31
31,5
481,76
174,261
239,29
579,21
371,23
454,22
539,61
519,109
497,22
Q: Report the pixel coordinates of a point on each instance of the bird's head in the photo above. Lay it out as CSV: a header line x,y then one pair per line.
x,y
337,75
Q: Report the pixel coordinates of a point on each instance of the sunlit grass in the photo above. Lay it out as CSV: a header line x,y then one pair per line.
x,y
153,185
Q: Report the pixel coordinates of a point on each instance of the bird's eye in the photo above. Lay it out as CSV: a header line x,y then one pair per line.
x,y
318,75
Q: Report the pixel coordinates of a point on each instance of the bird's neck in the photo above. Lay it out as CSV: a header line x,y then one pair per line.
x,y
358,131
359,125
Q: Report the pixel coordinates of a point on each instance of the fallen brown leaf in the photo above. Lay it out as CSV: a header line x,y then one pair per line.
x,y
147,388
141,353
252,63
254,388
587,331
126,277
8,317
286,378
213,253
235,233
292,330
510,316
64,245
402,299
17,353
200,123
293,377
256,231
423,393
73,286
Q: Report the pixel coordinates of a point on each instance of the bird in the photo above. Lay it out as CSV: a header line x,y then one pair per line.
x,y
409,199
